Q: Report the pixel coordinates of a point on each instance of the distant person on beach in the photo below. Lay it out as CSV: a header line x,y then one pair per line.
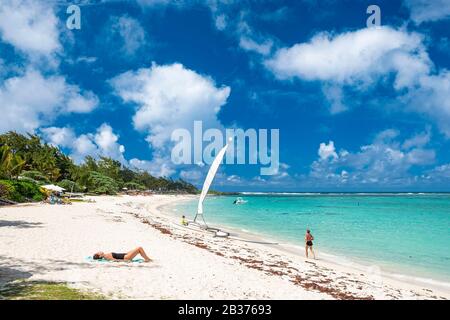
x,y
308,243
112,256
184,221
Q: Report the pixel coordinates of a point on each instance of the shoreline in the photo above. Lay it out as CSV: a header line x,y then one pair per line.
x,y
51,243
355,264
351,266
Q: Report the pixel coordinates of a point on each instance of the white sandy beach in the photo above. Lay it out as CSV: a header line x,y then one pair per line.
x,y
51,243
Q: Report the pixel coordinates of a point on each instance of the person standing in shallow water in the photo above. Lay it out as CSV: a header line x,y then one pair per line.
x,y
308,243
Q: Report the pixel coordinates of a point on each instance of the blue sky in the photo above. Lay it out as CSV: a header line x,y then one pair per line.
x,y
358,109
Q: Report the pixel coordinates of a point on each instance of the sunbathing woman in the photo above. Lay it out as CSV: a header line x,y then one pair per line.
x,y
112,256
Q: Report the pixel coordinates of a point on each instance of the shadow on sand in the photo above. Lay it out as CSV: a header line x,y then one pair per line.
x,y
12,269
19,224
9,274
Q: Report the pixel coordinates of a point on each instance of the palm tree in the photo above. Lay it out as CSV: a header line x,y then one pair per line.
x,y
10,164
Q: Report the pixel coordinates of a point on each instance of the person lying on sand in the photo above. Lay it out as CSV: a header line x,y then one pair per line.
x,y
308,243
112,256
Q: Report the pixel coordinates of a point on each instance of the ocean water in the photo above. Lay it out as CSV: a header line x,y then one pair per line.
x,y
400,233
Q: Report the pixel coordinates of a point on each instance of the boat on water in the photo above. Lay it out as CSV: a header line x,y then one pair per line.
x,y
239,200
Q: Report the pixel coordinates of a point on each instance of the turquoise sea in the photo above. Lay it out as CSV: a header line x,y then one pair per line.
x,y
401,233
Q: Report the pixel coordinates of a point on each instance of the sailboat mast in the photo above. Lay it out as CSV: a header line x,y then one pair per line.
x,y
209,179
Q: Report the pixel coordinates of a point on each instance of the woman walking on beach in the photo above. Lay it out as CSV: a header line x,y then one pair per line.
x,y
308,243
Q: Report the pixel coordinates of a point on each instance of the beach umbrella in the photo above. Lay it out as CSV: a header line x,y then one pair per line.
x,y
52,187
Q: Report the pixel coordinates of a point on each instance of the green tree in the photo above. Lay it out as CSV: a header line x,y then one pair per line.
x,y
133,186
37,176
101,184
127,175
11,164
38,156
110,168
21,191
37,163
70,186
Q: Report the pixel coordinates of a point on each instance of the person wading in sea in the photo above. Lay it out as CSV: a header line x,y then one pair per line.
x,y
308,243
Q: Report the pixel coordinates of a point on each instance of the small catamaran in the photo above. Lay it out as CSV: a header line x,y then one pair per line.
x,y
199,215
209,179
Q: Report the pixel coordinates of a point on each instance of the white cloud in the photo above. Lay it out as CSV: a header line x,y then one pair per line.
x,y
30,26
131,32
169,97
281,173
279,178
193,175
31,100
22,111
386,136
251,45
233,18
249,39
31,97
83,146
440,173
233,178
418,140
158,166
386,161
80,102
107,144
374,52
82,59
104,142
219,12
335,96
426,10
327,151
60,137
432,98
420,157
230,16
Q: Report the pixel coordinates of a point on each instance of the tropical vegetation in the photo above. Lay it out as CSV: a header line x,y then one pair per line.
x,y
26,163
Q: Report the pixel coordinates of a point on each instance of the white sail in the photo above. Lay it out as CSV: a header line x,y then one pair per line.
x,y
210,177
